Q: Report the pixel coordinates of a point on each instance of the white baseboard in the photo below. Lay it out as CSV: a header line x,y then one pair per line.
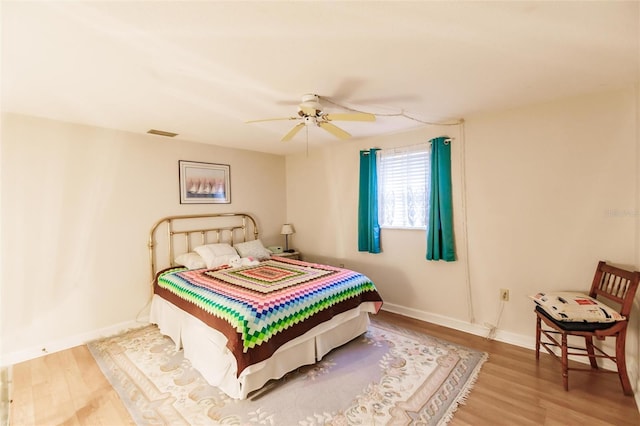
x,y
69,342
528,342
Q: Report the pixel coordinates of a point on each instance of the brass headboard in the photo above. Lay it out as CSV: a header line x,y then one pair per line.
x,y
182,230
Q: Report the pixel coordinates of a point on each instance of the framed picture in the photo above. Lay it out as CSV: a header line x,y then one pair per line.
x,y
204,183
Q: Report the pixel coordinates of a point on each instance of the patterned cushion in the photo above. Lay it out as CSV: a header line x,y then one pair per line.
x,y
576,325
568,306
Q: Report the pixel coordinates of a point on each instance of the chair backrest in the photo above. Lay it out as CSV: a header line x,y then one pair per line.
x,y
616,284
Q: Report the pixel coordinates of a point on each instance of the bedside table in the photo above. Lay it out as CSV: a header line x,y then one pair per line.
x,y
295,255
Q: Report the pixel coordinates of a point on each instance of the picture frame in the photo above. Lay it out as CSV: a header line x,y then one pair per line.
x,y
204,183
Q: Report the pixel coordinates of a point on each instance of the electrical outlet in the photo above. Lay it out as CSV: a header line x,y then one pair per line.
x,y
504,294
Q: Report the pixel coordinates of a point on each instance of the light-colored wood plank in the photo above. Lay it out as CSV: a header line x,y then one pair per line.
x,y
64,388
21,390
512,388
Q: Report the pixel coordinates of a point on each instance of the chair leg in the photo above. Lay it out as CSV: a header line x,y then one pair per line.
x,y
538,333
622,364
588,340
565,362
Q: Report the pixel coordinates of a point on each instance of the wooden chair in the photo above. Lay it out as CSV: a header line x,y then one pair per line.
x,y
609,283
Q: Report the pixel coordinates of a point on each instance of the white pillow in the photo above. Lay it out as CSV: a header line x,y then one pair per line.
x,y
569,306
218,254
253,249
191,260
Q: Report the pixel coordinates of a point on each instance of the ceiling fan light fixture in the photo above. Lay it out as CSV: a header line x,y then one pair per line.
x,y
310,121
310,105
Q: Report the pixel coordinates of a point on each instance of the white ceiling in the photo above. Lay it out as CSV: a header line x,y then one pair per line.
x,y
202,68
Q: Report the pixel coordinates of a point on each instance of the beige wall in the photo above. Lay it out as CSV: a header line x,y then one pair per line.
x,y
77,206
550,190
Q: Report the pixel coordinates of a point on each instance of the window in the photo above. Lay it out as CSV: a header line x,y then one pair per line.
x,y
403,187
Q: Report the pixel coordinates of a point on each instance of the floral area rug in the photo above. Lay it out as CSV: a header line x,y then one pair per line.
x,y
386,376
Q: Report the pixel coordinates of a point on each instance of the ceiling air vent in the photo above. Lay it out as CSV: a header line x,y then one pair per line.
x,y
162,133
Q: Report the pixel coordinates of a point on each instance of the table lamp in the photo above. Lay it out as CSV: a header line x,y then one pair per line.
x,y
287,229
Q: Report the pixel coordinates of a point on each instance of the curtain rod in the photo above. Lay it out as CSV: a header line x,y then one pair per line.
x,y
447,140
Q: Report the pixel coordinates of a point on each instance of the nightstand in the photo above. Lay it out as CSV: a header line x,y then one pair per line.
x,y
295,255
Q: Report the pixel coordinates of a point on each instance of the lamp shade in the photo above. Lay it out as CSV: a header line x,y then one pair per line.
x,y
287,229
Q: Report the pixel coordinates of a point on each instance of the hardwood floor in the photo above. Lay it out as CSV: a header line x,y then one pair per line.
x,y
68,388
64,388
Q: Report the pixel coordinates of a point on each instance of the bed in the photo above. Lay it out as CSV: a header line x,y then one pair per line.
x,y
242,315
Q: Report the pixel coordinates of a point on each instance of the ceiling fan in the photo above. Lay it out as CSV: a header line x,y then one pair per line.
x,y
310,113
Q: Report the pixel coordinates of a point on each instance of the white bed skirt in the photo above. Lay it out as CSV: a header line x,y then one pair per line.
x,y
206,348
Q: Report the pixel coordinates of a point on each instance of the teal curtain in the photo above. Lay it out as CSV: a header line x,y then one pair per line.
x,y
368,227
440,240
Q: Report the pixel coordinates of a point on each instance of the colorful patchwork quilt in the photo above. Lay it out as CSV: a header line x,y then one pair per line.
x,y
259,308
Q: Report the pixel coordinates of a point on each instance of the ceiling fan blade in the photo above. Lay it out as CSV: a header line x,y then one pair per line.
x,y
272,119
334,130
292,132
352,116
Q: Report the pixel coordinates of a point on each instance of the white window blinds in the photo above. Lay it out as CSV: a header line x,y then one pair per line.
x,y
403,186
